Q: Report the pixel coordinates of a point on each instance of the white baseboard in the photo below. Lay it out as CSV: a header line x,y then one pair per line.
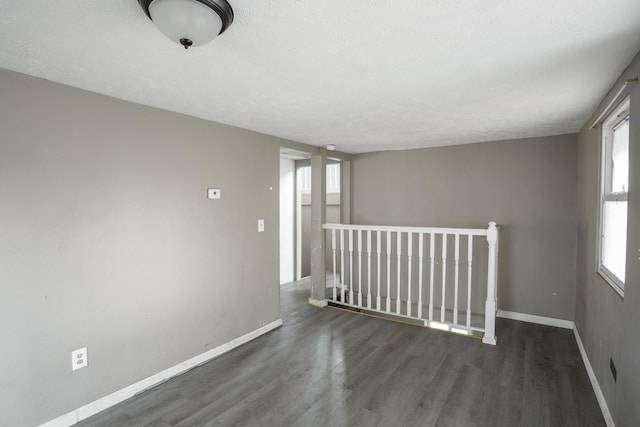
x,y
68,419
532,318
116,397
594,381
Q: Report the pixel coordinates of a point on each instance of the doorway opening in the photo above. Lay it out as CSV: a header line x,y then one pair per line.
x,y
295,211
290,213
304,209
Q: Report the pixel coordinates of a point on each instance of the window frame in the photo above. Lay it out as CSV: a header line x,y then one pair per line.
x,y
612,122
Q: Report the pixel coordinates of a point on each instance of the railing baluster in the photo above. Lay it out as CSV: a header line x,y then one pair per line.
x,y
444,276
469,262
333,248
420,255
378,244
496,258
455,292
399,249
432,248
360,268
351,266
342,266
368,268
409,254
388,271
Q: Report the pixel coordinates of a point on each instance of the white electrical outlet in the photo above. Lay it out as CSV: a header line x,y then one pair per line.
x,y
79,359
214,193
260,225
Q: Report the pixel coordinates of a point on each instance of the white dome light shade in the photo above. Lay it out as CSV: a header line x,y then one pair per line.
x,y
185,20
189,22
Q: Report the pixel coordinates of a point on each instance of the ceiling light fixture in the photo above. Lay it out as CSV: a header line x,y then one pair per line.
x,y
189,22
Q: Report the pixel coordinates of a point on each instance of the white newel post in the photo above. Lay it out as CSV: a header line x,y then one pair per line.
x,y
491,305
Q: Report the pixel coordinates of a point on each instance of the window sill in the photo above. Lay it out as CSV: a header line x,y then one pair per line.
x,y
611,282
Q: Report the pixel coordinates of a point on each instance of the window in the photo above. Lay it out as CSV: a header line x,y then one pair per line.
x,y
613,197
333,178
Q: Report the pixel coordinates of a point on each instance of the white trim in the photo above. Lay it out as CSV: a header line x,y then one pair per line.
x,y
532,318
604,193
68,419
116,397
320,303
489,340
611,280
594,381
298,227
613,101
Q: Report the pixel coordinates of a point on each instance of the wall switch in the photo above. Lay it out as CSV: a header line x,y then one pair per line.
x,y
214,193
79,359
260,225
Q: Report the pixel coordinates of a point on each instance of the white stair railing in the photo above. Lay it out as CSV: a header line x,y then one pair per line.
x,y
442,301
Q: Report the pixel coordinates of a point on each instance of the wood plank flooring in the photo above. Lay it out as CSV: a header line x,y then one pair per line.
x,y
327,367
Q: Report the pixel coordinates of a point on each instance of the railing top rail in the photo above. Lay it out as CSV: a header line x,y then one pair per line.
x,y
435,230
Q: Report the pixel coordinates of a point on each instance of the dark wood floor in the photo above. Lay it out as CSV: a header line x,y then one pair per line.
x,y
326,367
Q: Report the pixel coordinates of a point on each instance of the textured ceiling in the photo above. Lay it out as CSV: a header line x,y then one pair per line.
x,y
366,75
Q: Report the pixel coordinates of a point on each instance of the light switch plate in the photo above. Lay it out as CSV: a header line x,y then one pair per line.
x,y
214,193
260,225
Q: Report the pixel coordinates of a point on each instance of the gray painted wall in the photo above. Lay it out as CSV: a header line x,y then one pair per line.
x,y
608,324
107,240
528,186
